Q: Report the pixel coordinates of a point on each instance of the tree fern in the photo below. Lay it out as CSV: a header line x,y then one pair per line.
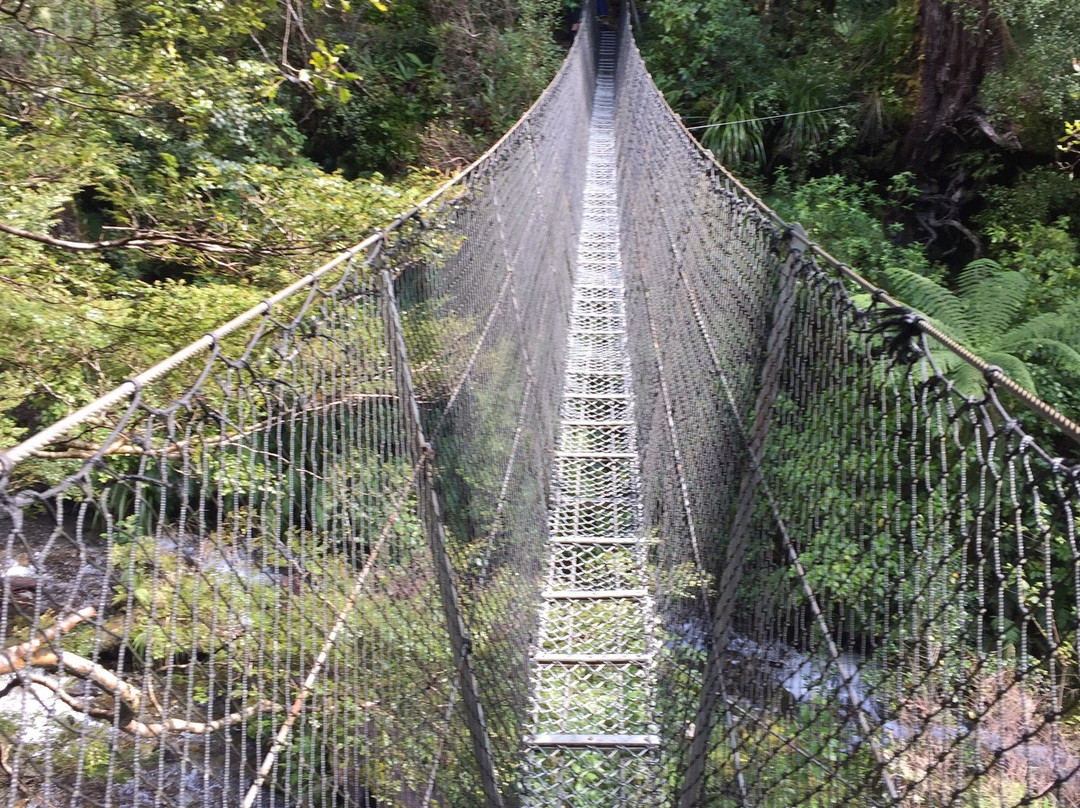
x,y
993,296
1062,325
985,315
1013,366
967,380
1059,354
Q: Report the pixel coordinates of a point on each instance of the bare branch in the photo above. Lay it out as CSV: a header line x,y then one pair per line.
x,y
129,696
17,657
71,701
1009,140
30,28
142,729
44,92
157,729
146,239
32,654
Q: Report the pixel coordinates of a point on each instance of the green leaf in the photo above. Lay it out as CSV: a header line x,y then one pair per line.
x,y
994,297
932,299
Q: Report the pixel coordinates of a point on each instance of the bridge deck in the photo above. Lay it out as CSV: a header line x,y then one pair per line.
x,y
593,740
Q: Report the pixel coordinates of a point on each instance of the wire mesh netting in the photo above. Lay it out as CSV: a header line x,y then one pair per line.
x,y
592,741
867,582
788,563
304,569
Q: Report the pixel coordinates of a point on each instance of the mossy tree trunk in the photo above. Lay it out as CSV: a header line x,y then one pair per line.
x,y
959,42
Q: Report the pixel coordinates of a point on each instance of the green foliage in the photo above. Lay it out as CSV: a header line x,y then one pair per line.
x,y
734,136
231,145
439,80
696,50
769,72
1069,146
855,535
716,61
986,314
1030,226
1049,255
1037,196
220,610
809,756
1037,86
851,551
845,217
801,95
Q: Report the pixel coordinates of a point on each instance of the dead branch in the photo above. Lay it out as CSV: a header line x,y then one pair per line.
x,y
68,699
129,697
17,657
157,729
142,241
31,654
1009,140
16,15
117,448
41,92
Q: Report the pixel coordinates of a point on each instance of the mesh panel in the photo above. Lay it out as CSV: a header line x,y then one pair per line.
x,y
867,583
593,683
306,570
589,777
701,266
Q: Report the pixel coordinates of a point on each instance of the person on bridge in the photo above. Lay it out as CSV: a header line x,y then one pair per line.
x,y
573,15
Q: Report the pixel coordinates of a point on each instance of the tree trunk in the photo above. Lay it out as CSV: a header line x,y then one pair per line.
x,y
958,43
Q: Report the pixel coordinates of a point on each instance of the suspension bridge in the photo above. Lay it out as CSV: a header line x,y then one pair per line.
x,y
588,483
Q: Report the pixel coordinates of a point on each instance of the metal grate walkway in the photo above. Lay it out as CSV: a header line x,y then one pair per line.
x,y
593,741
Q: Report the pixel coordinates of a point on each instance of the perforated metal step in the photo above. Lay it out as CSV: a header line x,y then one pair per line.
x,y
593,741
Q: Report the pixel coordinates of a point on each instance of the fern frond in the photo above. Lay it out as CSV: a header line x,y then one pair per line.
x,y
994,302
932,299
1058,325
946,362
967,380
1069,314
975,273
1054,352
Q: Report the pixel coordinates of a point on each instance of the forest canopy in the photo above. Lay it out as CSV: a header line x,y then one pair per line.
x,y
923,141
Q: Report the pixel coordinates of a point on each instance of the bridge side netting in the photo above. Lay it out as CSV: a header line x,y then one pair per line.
x,y
701,277
488,358
282,574
881,604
